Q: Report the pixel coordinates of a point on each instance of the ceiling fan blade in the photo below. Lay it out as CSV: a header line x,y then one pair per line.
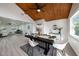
x,y
40,5
37,5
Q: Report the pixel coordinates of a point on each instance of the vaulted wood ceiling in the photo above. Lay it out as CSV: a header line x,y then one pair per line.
x,y
50,11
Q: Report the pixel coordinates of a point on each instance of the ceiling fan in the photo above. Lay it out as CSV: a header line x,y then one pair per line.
x,y
39,7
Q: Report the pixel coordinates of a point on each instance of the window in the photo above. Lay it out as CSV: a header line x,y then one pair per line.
x,y
74,25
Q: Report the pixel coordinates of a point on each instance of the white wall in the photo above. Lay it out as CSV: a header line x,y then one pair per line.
x,y
11,10
73,42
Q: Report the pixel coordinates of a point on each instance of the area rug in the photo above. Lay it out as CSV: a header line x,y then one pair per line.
x,y
37,51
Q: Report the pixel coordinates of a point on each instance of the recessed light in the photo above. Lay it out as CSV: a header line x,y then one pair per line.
x,y
38,10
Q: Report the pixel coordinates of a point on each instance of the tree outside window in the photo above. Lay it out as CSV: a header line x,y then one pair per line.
x,y
76,25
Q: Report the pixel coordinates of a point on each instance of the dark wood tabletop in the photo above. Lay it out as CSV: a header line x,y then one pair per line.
x,y
45,40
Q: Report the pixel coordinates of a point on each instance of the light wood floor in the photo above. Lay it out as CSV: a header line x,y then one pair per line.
x,y
10,46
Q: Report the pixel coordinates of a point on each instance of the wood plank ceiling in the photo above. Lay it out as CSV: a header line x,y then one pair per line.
x,y
50,11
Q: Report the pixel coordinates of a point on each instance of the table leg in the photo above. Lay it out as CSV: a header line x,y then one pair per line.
x,y
46,48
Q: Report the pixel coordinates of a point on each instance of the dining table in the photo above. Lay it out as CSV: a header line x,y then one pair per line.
x,y
47,42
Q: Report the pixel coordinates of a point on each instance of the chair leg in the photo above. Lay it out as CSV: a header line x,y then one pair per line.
x,y
62,52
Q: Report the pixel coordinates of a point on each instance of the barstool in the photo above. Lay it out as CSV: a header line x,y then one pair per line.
x,y
60,47
32,44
